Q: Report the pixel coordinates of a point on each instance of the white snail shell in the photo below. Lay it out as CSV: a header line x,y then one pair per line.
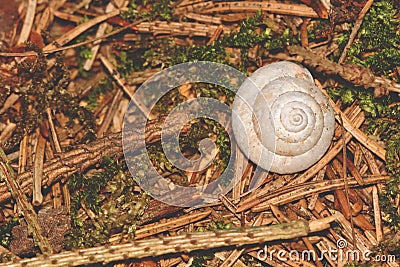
x,y
281,120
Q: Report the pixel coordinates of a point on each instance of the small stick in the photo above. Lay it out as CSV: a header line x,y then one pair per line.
x,y
83,156
292,9
215,35
22,154
344,169
45,20
28,22
69,36
304,32
318,6
178,28
27,210
203,18
229,205
56,188
377,213
100,32
357,133
356,74
356,27
281,217
289,194
50,51
110,113
53,131
314,197
236,253
114,73
375,196
369,158
67,16
168,225
186,242
38,170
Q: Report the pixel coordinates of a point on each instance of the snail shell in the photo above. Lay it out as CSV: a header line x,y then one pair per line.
x,y
281,120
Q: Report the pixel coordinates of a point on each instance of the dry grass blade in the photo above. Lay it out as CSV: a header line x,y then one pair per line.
x,y
69,36
110,114
355,29
296,192
357,133
121,83
28,22
38,170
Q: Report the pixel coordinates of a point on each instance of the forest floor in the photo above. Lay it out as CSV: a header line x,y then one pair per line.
x,y
85,178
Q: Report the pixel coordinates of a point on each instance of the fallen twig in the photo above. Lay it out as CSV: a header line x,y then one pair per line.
x,y
355,29
69,36
159,227
249,6
28,22
53,50
177,244
358,75
84,156
357,133
7,173
296,192
38,170
114,73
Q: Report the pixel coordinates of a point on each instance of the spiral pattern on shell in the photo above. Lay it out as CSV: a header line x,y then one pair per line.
x,y
289,122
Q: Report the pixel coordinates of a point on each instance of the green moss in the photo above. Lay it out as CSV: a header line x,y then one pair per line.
x,y
374,107
5,231
125,66
251,32
110,195
200,258
39,89
379,39
148,9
